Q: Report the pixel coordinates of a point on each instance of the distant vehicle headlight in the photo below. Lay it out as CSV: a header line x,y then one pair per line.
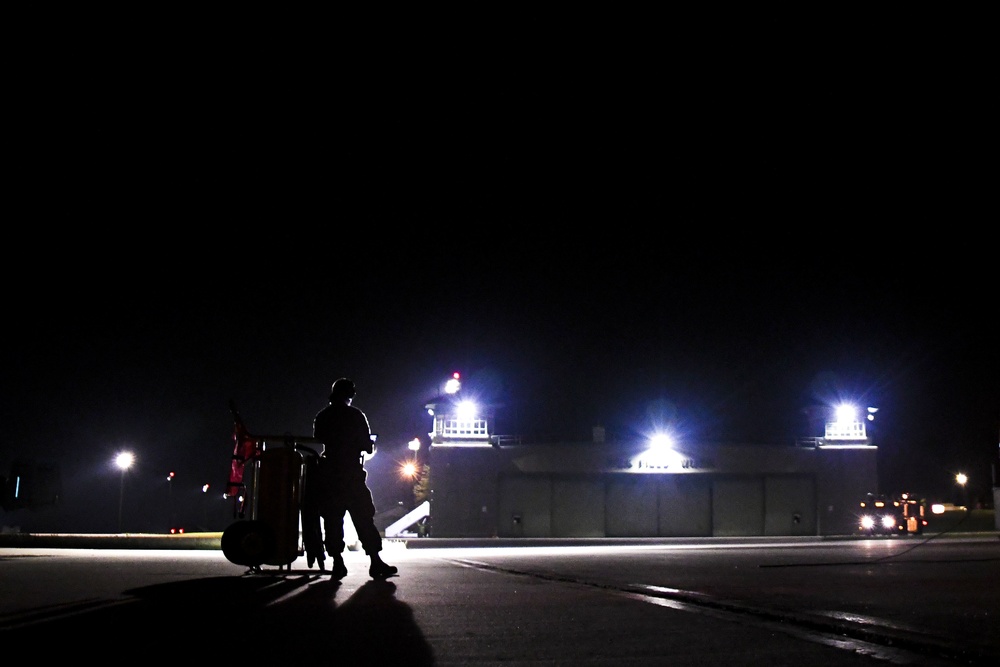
x,y
867,522
888,521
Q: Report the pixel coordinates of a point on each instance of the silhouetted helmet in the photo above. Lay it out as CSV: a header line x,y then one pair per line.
x,y
342,388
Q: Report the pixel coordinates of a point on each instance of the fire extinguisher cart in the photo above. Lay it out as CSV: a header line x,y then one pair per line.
x,y
267,481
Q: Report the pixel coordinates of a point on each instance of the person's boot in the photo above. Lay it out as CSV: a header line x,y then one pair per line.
x,y
338,570
380,569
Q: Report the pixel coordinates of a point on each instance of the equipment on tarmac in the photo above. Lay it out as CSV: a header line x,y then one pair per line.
x,y
267,480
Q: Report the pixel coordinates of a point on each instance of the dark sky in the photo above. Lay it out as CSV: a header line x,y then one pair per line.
x,y
711,234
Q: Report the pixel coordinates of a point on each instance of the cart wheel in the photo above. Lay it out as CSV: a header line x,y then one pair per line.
x,y
247,543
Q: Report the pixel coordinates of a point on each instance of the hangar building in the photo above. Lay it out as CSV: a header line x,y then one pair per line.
x,y
484,485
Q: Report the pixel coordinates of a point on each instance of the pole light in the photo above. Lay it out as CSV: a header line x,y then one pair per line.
x,y
171,520
204,506
963,482
123,461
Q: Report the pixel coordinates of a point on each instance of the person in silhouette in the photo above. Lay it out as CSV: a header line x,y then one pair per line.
x,y
341,479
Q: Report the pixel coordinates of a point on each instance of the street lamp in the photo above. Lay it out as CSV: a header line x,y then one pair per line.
x,y
409,469
204,506
123,461
171,522
962,480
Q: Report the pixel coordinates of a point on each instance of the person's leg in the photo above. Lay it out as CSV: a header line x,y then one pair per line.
x,y
333,523
362,509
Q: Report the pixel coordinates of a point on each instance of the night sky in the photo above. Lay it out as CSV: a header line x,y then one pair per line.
x,y
707,239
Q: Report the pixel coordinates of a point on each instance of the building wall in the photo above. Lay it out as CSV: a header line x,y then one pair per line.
x,y
525,507
578,506
738,506
790,505
589,491
631,507
685,505
463,483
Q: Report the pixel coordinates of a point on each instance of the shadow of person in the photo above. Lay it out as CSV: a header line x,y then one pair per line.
x,y
238,616
378,629
283,618
263,618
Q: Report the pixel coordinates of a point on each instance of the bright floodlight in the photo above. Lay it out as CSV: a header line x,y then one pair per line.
x,y
660,455
453,385
125,460
661,441
845,413
408,469
467,410
961,479
414,444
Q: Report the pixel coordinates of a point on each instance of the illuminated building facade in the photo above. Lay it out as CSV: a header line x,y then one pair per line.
x,y
484,485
